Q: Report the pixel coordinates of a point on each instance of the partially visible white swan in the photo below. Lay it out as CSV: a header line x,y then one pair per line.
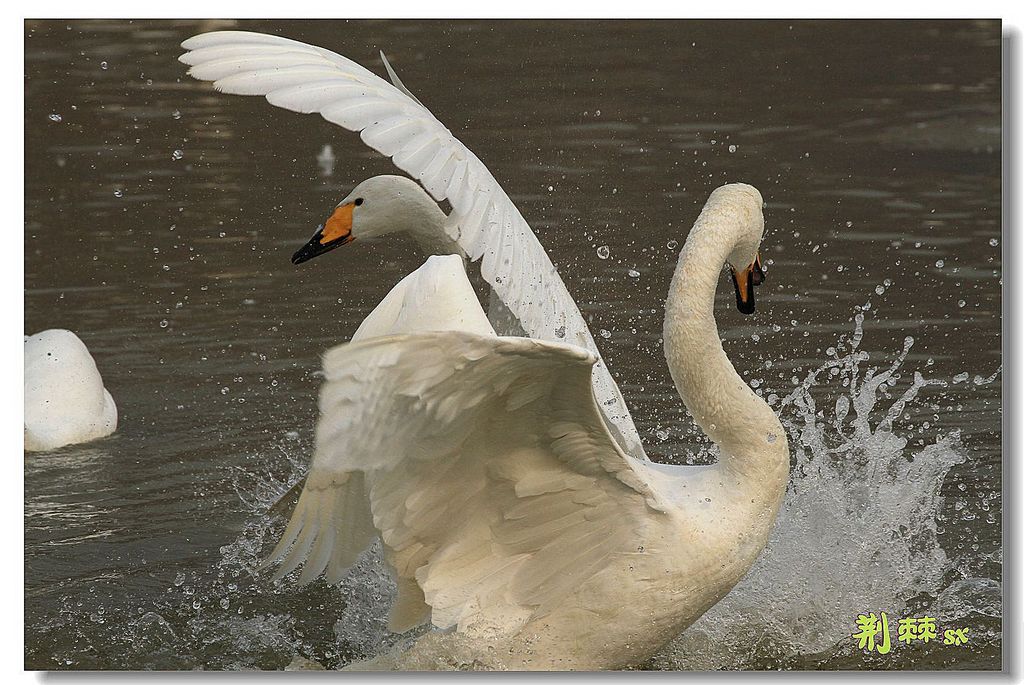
x,y
65,401
508,513
484,223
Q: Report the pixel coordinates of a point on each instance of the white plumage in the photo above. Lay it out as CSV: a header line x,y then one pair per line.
x,y
507,511
484,222
65,401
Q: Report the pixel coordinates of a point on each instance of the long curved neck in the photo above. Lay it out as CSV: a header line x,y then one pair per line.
x,y
752,441
428,230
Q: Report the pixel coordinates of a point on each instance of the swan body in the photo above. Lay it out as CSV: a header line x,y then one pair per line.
x,y
65,401
510,516
484,223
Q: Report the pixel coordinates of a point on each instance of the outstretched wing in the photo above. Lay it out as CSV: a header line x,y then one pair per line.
x,y
484,221
484,465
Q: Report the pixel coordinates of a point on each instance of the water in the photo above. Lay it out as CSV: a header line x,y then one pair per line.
x,y
880,169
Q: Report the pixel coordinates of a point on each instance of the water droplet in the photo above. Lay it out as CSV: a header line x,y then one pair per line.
x,y
603,252
55,117
605,333
939,263
176,114
104,66
118,193
961,304
551,188
177,154
179,580
732,148
672,244
879,290
772,437
164,323
560,332
633,273
993,242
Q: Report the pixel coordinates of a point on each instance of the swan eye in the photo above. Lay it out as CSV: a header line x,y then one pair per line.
x,y
358,201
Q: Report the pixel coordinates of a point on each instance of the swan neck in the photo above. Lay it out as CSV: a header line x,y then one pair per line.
x,y
428,229
751,439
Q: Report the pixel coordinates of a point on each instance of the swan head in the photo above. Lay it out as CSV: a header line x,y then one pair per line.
x,y
376,207
743,203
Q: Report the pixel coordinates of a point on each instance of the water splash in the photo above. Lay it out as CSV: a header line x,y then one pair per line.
x,y
857,532
271,625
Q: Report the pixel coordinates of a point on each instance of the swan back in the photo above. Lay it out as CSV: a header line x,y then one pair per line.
x,y
435,297
65,401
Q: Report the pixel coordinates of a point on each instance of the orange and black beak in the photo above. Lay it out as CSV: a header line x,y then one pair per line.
x,y
335,232
744,282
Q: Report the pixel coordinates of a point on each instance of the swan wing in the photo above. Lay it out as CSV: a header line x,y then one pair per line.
x,y
484,221
484,465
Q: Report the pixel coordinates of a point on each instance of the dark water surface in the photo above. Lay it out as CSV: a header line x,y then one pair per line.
x,y
160,218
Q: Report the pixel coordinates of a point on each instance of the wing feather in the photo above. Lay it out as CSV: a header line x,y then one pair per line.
x,y
268,82
312,96
485,465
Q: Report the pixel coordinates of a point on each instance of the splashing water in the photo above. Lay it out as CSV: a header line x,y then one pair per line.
x,y
857,531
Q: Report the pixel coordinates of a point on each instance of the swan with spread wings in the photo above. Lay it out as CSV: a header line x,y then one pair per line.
x,y
509,515
484,223
512,512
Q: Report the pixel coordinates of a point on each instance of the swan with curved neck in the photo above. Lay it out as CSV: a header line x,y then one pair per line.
x,y
507,512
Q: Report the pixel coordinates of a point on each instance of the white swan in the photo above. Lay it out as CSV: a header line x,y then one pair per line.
x,y
507,512
65,401
484,222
